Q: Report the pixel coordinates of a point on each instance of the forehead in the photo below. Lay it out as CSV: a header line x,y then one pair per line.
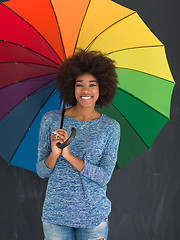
x,y
86,77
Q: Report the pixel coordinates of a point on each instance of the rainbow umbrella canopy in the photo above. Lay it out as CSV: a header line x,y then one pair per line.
x,y
35,38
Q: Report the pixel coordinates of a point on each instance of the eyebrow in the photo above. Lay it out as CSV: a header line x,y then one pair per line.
x,y
89,81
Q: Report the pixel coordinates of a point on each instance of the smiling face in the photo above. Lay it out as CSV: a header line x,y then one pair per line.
x,y
86,90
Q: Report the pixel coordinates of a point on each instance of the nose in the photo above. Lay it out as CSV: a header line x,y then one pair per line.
x,y
85,89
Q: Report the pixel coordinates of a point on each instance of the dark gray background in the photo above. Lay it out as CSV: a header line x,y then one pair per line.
x,y
145,194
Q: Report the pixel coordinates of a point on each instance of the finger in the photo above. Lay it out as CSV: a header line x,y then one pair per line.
x,y
63,135
61,131
55,138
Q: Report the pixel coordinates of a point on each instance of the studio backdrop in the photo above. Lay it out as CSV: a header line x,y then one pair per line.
x,y
145,187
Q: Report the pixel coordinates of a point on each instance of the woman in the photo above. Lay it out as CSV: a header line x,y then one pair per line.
x,y
76,205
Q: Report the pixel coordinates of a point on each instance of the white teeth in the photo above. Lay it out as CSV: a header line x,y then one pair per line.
x,y
86,98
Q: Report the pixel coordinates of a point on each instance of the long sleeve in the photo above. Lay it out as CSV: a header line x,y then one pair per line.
x,y
44,149
102,173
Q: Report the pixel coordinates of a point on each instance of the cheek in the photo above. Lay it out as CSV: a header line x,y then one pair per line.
x,y
97,93
76,91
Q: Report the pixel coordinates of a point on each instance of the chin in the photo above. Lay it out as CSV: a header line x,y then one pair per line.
x,y
86,104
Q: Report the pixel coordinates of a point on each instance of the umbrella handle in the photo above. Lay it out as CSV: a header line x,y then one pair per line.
x,y
69,140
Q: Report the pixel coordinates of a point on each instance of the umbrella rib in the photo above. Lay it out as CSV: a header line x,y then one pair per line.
x,y
137,47
47,44
49,97
33,52
81,26
91,43
146,73
31,65
142,102
28,80
150,46
64,53
40,88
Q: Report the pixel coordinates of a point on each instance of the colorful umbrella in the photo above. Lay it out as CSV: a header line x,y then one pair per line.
x,y
35,38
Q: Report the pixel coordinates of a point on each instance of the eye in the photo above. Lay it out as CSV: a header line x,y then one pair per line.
x,y
79,85
93,85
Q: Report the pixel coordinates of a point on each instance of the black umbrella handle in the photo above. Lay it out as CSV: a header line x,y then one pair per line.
x,y
68,141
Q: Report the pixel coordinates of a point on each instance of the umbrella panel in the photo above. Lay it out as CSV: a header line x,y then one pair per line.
x,y
18,31
131,145
21,71
143,86
26,155
146,121
127,33
19,121
11,53
40,15
70,21
14,94
100,16
150,60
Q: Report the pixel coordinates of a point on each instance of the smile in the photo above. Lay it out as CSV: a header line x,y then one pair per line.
x,y
86,98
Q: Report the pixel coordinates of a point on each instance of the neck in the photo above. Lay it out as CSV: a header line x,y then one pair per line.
x,y
84,114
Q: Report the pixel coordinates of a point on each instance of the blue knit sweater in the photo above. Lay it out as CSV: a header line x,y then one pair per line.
x,y
78,199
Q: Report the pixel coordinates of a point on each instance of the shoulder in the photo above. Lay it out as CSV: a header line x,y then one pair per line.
x,y
52,116
110,123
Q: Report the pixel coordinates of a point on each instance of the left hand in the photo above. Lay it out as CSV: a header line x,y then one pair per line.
x,y
63,136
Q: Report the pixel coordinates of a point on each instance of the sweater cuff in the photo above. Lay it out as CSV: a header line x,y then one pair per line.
x,y
86,169
44,171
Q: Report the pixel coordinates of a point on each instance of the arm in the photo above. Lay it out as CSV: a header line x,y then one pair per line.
x,y
48,152
101,174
